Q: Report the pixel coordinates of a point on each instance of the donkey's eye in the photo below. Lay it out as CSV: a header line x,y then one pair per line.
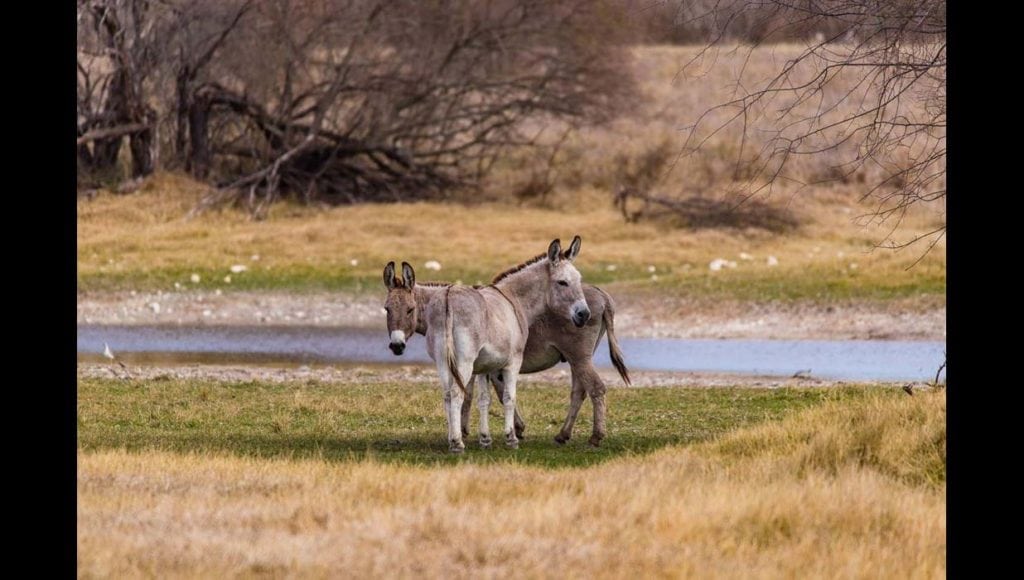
x,y
563,283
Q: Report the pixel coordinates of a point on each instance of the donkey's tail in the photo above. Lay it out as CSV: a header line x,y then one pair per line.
x,y
608,317
449,343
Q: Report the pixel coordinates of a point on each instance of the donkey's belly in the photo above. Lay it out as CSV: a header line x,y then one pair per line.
x,y
540,359
489,359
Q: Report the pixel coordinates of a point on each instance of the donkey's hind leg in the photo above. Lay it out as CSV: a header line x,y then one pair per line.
x,y
499,389
467,406
484,404
453,397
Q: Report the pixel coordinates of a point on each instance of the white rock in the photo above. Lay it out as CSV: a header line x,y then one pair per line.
x,y
227,279
194,278
432,265
611,267
716,264
651,269
155,307
255,257
654,277
177,285
772,261
300,314
353,262
207,312
217,292
746,256
853,265
239,268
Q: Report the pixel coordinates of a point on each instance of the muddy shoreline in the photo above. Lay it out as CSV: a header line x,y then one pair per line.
x,y
636,316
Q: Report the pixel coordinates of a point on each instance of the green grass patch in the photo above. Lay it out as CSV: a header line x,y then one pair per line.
x,y
755,284
404,422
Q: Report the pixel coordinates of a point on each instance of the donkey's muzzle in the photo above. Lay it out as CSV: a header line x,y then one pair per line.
x,y
580,317
397,347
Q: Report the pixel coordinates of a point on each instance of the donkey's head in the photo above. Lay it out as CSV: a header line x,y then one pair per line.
x,y
400,306
565,292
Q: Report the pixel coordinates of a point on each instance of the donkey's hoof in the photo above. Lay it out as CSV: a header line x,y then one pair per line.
x,y
595,441
485,443
561,439
512,443
454,447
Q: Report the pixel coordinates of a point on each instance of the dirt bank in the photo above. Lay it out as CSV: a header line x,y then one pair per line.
x,y
369,374
637,316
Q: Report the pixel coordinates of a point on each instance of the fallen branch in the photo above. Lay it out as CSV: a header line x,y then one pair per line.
x,y
106,133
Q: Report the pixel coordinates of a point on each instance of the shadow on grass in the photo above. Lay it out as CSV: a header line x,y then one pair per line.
x,y
396,423
414,449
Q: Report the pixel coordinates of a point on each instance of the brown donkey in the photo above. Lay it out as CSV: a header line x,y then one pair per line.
x,y
552,339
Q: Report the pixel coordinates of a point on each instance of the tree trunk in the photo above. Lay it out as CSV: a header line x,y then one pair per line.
x,y
198,162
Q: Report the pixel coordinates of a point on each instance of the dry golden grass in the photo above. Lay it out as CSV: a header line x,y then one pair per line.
x,y
144,241
808,497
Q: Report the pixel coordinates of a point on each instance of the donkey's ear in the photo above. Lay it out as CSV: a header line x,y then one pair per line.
x,y
574,249
408,275
555,251
389,275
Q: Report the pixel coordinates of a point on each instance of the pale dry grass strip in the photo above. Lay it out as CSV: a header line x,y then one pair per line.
x,y
792,507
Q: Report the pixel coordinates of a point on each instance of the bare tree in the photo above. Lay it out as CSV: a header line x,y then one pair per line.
x,y
867,93
339,100
356,101
115,56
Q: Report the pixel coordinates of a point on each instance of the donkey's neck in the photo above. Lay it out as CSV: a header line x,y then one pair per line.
x,y
529,287
423,293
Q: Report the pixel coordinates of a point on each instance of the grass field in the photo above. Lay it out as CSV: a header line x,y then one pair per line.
x,y
198,478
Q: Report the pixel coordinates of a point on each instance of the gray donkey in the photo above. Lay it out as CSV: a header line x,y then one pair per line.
x,y
552,339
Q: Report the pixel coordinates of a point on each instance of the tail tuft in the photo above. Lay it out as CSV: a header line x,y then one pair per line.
x,y
614,352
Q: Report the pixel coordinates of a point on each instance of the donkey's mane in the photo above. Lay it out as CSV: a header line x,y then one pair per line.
x,y
518,268
400,283
530,262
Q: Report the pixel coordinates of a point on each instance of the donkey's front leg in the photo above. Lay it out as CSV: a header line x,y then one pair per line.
x,y
484,404
511,376
579,393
